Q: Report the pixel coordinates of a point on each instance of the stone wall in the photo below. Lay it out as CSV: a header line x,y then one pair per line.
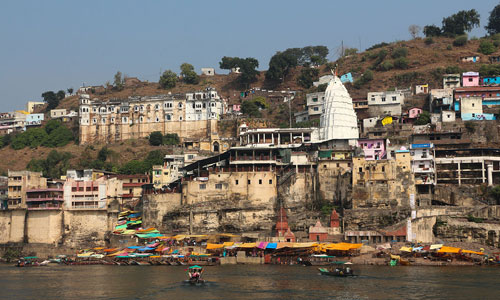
x,y
44,226
56,227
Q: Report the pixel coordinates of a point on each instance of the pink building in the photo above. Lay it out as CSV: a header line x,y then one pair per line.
x,y
237,107
470,79
413,113
85,194
374,149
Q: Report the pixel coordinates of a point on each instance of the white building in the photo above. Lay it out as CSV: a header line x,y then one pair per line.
x,y
451,81
206,105
338,120
208,71
385,103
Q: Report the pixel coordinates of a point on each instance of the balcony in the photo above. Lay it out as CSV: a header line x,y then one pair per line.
x,y
45,206
39,199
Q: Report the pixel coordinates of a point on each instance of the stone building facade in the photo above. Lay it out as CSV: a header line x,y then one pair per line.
x,y
192,116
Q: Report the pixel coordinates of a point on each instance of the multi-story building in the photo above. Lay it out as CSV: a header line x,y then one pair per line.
x,y
451,81
169,172
382,183
190,116
50,197
131,187
314,103
385,103
4,188
34,120
424,170
85,194
19,183
373,149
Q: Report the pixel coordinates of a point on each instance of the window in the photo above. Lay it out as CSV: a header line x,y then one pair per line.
x,y
470,79
157,120
168,117
260,181
472,104
141,119
180,118
315,99
383,99
180,105
94,121
383,169
393,98
236,182
249,181
203,186
360,169
316,108
157,107
218,186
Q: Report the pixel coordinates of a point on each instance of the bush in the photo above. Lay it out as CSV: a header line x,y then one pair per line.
x,y
449,48
486,47
489,70
453,70
385,66
460,41
155,138
365,78
399,52
401,63
429,41
250,108
424,118
171,139
407,78
379,45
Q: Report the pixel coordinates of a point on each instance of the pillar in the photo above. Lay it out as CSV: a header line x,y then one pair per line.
x,y
459,175
483,177
490,174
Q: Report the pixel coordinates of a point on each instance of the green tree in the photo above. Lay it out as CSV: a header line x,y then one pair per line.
x,y
493,26
103,154
461,22
70,91
168,80
154,157
188,74
423,118
51,99
58,137
280,65
119,81
248,68
134,167
432,30
486,47
171,139
251,109
155,138
307,77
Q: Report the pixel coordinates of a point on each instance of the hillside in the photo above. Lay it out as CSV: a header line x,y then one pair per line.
x,y
426,64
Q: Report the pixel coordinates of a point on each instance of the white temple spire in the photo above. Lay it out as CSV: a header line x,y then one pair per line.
x,y
338,120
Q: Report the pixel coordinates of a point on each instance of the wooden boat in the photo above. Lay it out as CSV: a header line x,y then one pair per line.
x,y
337,272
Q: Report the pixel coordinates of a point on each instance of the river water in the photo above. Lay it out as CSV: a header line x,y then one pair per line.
x,y
248,282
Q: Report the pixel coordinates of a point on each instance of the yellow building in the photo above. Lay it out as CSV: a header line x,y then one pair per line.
x,y
383,183
21,181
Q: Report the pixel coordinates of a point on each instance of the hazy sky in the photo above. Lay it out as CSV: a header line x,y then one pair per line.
x,y
52,45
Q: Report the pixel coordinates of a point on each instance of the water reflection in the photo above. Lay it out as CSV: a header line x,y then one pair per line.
x,y
247,282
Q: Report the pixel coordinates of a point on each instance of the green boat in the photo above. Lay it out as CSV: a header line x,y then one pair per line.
x,y
338,271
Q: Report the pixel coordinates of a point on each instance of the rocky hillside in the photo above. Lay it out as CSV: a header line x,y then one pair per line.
x,y
400,64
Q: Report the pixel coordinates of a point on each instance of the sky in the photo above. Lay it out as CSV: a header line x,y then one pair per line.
x,y
53,45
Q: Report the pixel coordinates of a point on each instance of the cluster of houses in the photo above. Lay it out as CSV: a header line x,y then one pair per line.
x,y
77,190
21,120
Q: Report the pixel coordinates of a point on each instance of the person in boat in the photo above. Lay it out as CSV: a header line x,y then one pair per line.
x,y
195,273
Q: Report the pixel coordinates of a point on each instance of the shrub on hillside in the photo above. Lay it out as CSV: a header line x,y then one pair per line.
x,y
429,41
489,70
379,45
155,138
385,66
401,63
460,41
365,78
424,118
399,52
449,48
486,47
